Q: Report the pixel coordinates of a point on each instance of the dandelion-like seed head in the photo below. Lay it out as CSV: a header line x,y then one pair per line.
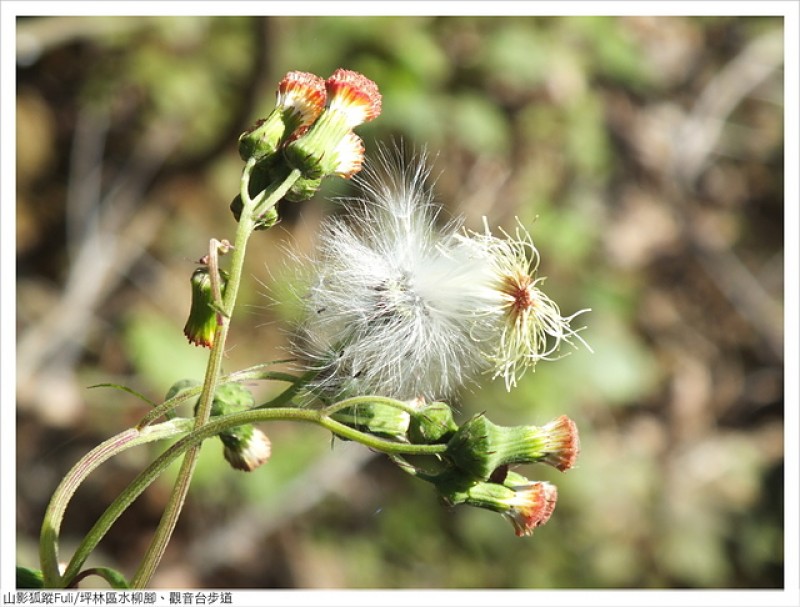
x,y
405,308
379,318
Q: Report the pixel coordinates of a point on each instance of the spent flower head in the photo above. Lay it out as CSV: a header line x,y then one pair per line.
x,y
524,325
201,325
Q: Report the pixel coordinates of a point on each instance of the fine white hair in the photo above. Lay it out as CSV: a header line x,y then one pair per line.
x,y
383,313
404,308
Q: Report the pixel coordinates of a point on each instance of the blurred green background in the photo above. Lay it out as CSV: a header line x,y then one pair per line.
x,y
645,155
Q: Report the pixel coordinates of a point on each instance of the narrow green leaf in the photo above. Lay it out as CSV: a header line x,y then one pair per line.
x,y
29,578
138,395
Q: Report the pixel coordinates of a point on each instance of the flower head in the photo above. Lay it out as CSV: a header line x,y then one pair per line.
x,y
353,95
299,101
349,154
480,447
526,504
301,98
525,325
530,506
563,443
330,146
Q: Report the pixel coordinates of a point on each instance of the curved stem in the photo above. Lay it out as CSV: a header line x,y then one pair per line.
x,y
257,372
369,400
48,539
215,426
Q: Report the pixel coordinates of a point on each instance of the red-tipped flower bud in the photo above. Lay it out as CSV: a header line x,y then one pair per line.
x,y
480,447
329,146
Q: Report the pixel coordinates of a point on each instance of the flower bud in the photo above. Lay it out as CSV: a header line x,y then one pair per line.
x,y
202,322
231,398
244,447
480,447
432,423
268,219
375,418
262,139
302,189
300,99
526,504
329,146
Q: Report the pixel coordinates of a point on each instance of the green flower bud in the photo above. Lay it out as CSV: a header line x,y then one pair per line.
x,y
329,147
378,419
480,447
244,447
263,222
262,140
202,322
433,423
231,398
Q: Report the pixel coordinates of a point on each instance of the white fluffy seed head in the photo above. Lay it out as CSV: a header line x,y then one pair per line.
x,y
403,308
383,315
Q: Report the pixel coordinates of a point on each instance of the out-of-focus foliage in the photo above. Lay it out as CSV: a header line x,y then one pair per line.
x,y
646,157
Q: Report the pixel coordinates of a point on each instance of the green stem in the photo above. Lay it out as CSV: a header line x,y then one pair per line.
x,y
178,496
369,400
215,426
257,372
48,540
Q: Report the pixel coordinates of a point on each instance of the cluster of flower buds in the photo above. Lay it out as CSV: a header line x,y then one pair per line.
x,y
419,422
480,454
476,463
311,131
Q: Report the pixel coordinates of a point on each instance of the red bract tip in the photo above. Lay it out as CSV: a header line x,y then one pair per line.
x,y
532,507
355,95
304,93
